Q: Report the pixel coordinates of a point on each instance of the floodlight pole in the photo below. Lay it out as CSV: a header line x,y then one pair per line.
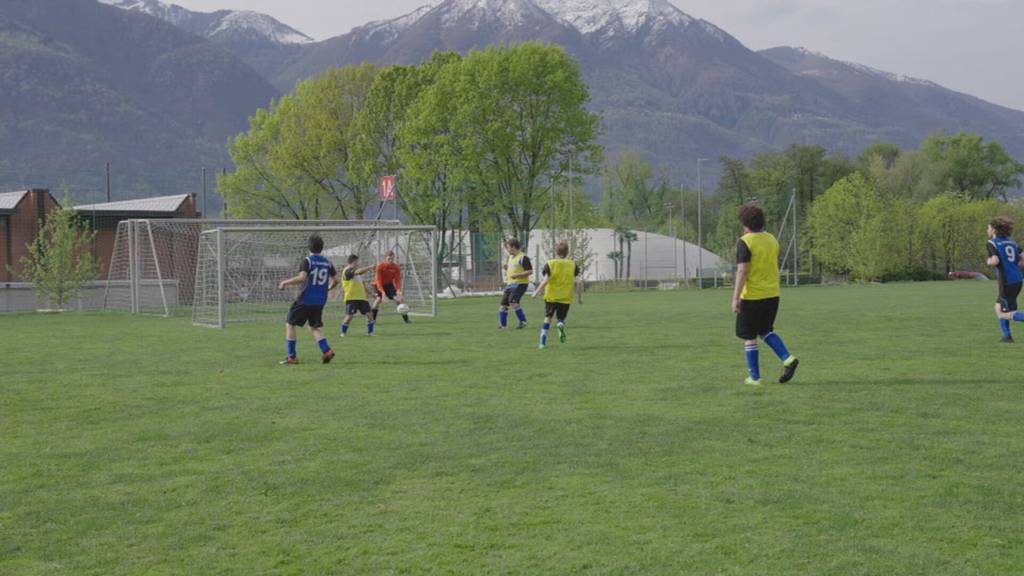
x,y
700,224
204,193
572,216
675,241
796,240
682,219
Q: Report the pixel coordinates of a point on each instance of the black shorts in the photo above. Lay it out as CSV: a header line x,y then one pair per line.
x,y
756,318
353,307
556,309
1008,296
513,294
301,313
389,291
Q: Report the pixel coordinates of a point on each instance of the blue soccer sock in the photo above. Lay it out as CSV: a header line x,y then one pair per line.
x,y
369,327
1005,326
291,349
1018,316
324,346
344,329
521,315
753,361
503,318
778,346
544,334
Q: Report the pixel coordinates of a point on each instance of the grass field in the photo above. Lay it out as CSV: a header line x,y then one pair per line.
x,y
147,446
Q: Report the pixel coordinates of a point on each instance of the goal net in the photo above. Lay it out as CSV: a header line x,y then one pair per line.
x,y
238,269
153,262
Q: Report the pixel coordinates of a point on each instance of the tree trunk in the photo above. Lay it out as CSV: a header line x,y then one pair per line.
x,y
629,260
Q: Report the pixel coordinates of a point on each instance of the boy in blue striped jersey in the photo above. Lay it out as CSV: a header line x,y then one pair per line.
x,y
317,276
1004,256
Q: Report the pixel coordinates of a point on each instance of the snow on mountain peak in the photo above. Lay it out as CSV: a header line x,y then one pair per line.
x,y
590,16
224,22
261,24
510,12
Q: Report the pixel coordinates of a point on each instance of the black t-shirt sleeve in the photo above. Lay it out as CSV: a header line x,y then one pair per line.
x,y
546,271
333,271
992,250
575,269
527,265
350,273
743,255
304,267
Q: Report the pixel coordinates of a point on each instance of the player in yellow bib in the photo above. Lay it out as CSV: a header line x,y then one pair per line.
x,y
356,301
518,270
560,282
755,299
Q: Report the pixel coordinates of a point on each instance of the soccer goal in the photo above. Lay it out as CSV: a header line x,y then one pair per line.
x,y
238,269
153,262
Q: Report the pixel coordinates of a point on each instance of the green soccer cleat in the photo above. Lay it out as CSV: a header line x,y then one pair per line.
x,y
751,382
562,334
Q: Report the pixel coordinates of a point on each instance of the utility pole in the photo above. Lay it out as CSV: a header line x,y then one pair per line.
x,y
108,182
700,223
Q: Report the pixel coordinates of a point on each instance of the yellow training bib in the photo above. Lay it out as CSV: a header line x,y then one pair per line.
x,y
763,280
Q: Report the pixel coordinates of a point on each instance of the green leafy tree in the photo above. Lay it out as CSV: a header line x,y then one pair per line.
x,y
953,230
859,231
294,160
521,118
978,170
430,153
60,260
887,152
911,176
632,197
735,186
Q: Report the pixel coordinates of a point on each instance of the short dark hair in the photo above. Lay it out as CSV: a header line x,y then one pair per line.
x,y
512,243
1003,226
353,258
562,249
316,244
752,217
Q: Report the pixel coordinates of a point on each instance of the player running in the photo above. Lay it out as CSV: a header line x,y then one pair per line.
x,y
518,270
355,295
1004,256
755,299
319,277
560,278
387,281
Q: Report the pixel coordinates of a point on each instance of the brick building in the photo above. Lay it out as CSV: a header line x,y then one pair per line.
x,y
104,218
21,216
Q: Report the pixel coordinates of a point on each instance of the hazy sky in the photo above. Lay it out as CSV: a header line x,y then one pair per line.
x,y
975,46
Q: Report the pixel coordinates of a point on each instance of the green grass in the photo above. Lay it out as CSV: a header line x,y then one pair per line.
x,y
147,446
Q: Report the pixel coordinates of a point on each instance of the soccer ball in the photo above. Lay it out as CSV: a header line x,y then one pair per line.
x,y
403,309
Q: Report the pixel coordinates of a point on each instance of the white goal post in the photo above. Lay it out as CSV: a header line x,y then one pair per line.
x,y
238,269
153,261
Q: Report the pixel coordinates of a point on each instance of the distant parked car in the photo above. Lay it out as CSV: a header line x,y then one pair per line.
x,y
967,276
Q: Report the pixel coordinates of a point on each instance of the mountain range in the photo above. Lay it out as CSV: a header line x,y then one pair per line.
x,y
672,85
